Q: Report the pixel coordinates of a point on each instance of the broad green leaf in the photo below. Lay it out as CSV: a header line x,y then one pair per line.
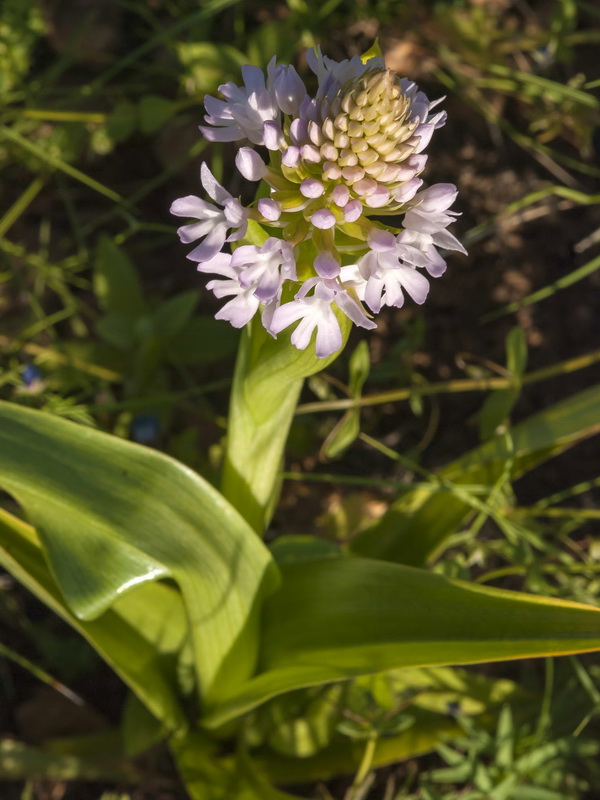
x,y
171,317
505,740
417,524
359,367
516,352
116,283
207,65
122,121
112,515
496,410
118,636
341,618
203,341
154,112
343,434
293,548
118,330
140,730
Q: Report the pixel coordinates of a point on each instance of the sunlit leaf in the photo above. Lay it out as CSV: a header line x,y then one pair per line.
x,y
112,515
118,636
341,618
116,283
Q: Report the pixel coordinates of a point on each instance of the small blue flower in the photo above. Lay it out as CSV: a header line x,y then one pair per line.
x,y
31,375
145,429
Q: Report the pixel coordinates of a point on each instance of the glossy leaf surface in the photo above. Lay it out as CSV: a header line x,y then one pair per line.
x,y
112,515
340,618
119,636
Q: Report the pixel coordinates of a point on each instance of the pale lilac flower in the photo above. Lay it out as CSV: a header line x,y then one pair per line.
x,y
315,312
244,304
426,221
388,270
243,113
263,269
213,222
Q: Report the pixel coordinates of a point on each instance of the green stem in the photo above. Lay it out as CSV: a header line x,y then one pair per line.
x,y
366,763
255,441
267,382
450,387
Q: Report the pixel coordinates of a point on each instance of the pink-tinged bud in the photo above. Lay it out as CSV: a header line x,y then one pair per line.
x,y
250,164
408,190
417,163
289,89
315,134
270,210
353,210
331,171
329,152
273,136
437,198
365,187
323,219
310,153
340,195
327,265
310,187
298,131
353,174
379,198
291,157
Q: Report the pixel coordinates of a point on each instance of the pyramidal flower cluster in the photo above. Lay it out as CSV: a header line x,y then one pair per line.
x,y
337,163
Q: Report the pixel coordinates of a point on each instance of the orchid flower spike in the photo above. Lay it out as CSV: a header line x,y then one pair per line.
x,y
340,160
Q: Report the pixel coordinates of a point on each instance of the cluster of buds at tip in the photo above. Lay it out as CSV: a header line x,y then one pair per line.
x,y
338,162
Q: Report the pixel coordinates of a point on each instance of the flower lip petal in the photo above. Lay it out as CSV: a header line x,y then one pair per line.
x,y
229,133
380,240
415,283
192,207
213,188
211,245
327,265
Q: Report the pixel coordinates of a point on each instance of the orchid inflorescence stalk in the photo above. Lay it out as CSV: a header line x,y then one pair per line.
x,y
339,161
